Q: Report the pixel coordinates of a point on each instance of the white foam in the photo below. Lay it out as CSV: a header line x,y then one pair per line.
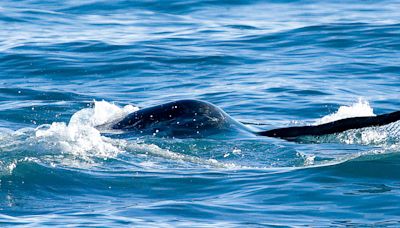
x,y
361,108
373,136
101,113
80,137
367,136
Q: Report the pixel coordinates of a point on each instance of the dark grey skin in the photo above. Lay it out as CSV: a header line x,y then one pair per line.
x,y
181,119
196,119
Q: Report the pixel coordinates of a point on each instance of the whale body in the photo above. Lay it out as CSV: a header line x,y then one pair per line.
x,y
182,118
196,119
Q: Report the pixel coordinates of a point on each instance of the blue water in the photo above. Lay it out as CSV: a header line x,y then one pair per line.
x,y
267,63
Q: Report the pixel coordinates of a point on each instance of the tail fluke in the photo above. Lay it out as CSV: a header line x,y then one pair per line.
x,y
332,127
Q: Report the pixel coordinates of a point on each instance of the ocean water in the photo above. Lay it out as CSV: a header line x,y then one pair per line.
x,y
67,66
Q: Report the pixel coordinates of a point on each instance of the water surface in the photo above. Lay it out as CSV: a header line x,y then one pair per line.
x,y
267,63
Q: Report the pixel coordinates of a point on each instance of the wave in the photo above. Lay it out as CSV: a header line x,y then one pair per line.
x,y
359,109
387,135
79,144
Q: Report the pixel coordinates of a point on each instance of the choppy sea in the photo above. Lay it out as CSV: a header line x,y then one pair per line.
x,y
67,66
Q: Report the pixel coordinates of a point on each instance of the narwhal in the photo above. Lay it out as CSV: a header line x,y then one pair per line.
x,y
197,119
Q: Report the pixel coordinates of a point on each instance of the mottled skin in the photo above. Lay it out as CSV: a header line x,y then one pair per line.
x,y
182,118
194,118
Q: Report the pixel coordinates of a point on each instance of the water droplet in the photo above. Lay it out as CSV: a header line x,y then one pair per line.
x,y
236,151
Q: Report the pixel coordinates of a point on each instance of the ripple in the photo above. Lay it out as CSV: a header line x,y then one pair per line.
x,y
268,63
